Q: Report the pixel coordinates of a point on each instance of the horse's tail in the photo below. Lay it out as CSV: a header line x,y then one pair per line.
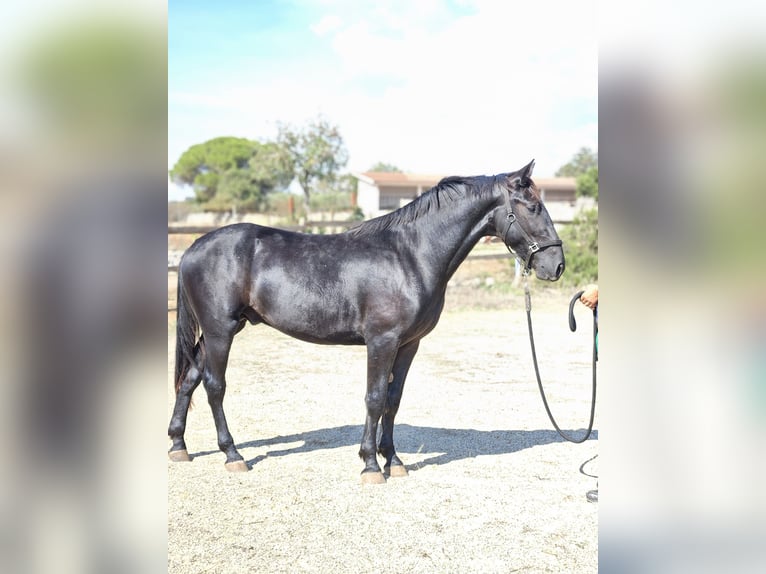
x,y
186,335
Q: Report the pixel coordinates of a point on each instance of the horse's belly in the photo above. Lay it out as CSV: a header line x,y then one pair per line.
x,y
335,306
314,320
333,338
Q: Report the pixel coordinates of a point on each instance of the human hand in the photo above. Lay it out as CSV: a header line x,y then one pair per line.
x,y
590,296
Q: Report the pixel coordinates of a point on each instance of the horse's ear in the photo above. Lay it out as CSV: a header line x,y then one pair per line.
x,y
521,178
526,171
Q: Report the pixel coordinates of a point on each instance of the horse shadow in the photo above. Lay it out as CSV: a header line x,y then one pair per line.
x,y
449,444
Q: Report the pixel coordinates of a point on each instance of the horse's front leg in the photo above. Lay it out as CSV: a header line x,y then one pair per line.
x,y
380,358
394,466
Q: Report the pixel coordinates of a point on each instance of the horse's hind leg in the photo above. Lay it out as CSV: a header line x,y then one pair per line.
x,y
177,426
394,467
217,349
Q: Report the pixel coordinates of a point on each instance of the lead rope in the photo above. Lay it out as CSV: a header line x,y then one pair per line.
x,y
572,325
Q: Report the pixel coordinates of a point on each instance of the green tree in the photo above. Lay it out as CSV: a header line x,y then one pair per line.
x,y
233,173
385,167
237,190
581,237
584,167
587,183
581,249
317,152
272,167
202,165
582,161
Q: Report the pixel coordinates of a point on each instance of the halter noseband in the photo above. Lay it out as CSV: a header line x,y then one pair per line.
x,y
532,245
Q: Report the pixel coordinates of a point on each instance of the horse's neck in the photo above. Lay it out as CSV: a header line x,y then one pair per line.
x,y
454,233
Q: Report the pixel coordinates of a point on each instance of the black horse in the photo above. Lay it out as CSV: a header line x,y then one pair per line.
x,y
381,284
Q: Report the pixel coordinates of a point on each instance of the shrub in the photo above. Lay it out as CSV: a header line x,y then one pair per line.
x,y
581,249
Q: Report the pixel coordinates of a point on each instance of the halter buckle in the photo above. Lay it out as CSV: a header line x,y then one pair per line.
x,y
533,247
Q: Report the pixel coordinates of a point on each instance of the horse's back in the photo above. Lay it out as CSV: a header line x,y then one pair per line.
x,y
221,245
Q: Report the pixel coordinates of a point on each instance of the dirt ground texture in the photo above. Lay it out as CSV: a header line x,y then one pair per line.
x,y
492,488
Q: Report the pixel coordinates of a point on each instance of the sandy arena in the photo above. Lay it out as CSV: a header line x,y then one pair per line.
x,y
492,488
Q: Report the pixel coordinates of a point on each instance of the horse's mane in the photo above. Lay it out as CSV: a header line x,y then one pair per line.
x,y
444,193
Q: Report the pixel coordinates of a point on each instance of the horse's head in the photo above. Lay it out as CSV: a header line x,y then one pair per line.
x,y
523,223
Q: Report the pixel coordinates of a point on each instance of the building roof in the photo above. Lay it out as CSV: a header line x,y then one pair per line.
x,y
392,179
558,183
398,179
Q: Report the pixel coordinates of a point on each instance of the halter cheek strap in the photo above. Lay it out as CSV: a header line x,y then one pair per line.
x,y
532,245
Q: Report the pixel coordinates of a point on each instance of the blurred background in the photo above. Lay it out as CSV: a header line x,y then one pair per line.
x,y
682,110
83,171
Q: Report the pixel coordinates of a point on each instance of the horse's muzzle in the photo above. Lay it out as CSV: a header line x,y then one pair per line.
x,y
549,264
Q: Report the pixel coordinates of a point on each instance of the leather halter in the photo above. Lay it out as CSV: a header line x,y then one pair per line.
x,y
532,245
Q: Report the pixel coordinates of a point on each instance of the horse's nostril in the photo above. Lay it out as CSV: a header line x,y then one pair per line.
x,y
559,270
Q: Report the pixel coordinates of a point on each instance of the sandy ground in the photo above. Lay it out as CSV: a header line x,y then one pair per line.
x,y
492,488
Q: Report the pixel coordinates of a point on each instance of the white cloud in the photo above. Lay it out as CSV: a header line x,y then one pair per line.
x,y
326,25
410,85
473,96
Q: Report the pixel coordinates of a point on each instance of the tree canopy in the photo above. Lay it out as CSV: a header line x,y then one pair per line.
x,y
317,153
584,167
582,161
230,172
587,183
382,166
581,238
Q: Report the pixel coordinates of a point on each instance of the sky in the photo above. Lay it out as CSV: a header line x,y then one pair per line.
x,y
461,87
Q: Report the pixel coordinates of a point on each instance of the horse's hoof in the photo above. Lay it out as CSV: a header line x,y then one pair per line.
x,y
236,466
397,471
179,456
375,477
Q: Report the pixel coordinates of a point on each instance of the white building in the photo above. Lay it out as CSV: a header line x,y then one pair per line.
x,y
382,192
